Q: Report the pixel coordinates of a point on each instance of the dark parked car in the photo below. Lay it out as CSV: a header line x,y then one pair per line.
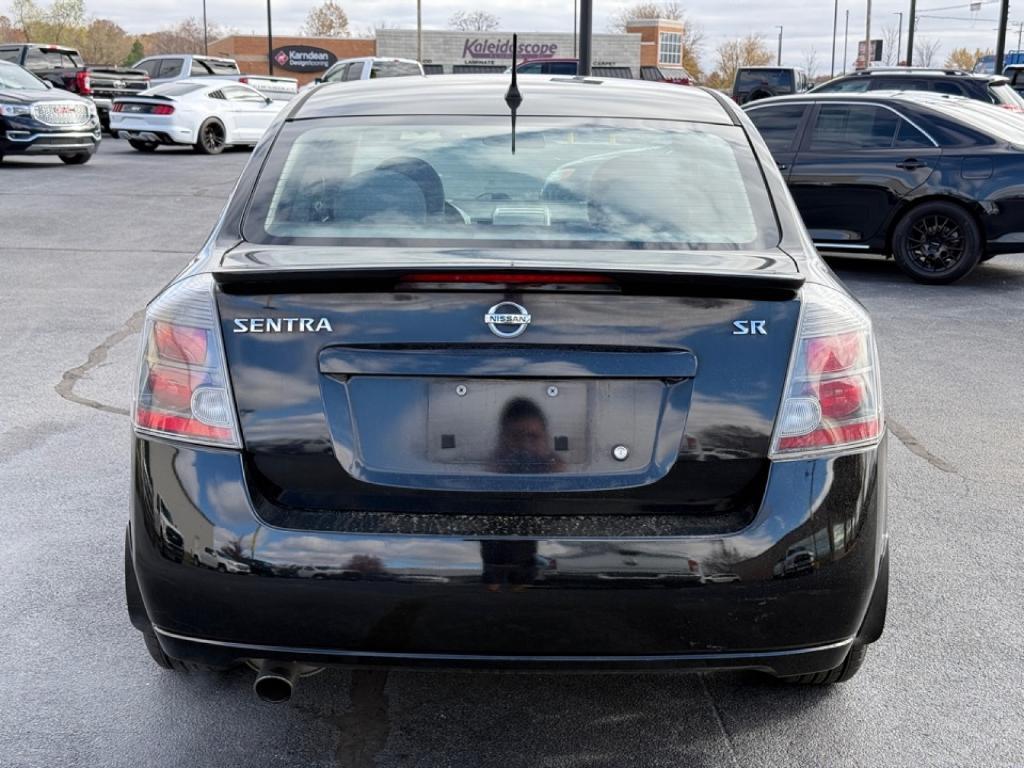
x,y
754,83
534,414
935,181
37,119
64,68
993,89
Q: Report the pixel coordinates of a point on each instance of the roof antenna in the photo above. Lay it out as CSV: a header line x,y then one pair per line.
x,y
512,96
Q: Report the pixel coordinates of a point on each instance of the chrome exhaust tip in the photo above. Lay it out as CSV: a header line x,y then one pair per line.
x,y
275,681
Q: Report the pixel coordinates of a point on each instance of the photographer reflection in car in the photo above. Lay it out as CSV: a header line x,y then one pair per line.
x,y
524,445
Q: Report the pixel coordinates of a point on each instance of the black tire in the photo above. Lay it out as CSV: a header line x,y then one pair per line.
x,y
760,93
937,243
847,669
211,138
76,158
143,146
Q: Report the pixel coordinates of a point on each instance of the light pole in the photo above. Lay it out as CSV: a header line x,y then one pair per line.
x,y
846,39
835,27
270,43
778,60
419,32
1004,15
899,37
867,37
586,37
574,28
206,41
911,23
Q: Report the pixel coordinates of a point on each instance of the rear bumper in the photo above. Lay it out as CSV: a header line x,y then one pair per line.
x,y
162,130
787,594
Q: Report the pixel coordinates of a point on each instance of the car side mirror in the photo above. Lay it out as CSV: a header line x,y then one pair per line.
x,y
48,84
317,80
268,100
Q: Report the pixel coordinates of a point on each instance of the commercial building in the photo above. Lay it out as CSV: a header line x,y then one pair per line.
x,y
646,43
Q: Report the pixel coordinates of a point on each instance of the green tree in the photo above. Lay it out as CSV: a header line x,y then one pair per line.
x,y
137,53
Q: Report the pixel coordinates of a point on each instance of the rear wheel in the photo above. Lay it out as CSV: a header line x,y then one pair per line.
x,y
76,158
840,674
143,146
937,243
211,138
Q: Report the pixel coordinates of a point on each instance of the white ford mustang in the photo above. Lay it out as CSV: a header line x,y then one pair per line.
x,y
209,114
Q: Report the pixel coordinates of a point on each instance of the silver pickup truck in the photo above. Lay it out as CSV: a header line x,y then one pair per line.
x,y
166,68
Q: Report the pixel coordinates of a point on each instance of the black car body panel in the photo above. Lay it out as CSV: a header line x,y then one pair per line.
x,y
853,197
354,368
578,601
42,130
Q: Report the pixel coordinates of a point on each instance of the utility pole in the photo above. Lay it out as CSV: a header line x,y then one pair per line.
x,y
1020,28
1004,14
419,34
899,37
867,37
270,43
846,39
206,41
832,73
575,5
586,36
778,59
910,32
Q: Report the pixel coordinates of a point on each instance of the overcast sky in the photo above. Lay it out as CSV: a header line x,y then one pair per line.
x,y
807,23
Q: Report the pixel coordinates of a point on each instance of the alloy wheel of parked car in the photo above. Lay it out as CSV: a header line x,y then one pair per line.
x,y
76,158
211,138
937,243
143,146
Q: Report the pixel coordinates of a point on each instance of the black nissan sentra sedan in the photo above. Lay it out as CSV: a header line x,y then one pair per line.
x,y
36,119
935,181
594,404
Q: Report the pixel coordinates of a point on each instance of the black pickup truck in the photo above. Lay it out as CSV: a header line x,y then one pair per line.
x,y
64,68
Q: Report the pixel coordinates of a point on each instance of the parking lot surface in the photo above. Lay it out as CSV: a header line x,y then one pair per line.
x,y
83,249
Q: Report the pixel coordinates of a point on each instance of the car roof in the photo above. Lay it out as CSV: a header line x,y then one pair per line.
x,y
916,72
543,95
916,98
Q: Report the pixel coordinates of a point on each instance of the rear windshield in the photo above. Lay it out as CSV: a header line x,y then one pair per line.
x,y
1003,93
774,78
218,66
394,69
988,118
578,182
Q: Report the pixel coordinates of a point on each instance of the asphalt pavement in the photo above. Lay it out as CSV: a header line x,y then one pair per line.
x,y
82,249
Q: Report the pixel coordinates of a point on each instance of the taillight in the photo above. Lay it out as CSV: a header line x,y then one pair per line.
x,y
183,389
82,83
118,107
833,398
1012,107
163,109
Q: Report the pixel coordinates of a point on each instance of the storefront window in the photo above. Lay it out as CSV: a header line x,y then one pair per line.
x,y
670,48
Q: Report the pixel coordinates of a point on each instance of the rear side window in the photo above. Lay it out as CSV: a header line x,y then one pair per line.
x,y
149,67
531,69
171,68
853,126
778,125
354,71
221,66
853,85
394,69
561,68
10,54
573,182
948,86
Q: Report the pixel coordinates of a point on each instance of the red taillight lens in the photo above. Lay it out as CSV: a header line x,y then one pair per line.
x,y
163,109
118,107
180,343
833,397
82,83
183,389
1012,107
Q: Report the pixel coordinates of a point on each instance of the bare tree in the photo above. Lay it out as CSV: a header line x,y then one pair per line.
x,y
473,21
811,63
749,51
620,19
8,32
326,20
104,42
183,37
890,46
925,51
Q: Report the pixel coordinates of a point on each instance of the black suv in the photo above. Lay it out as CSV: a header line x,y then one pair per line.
x,y
753,83
994,89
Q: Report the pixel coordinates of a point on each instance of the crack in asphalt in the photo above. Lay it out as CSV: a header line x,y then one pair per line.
x,y
363,730
915,447
97,355
719,720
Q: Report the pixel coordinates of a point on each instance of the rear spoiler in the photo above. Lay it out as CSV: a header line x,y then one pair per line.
x,y
643,271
